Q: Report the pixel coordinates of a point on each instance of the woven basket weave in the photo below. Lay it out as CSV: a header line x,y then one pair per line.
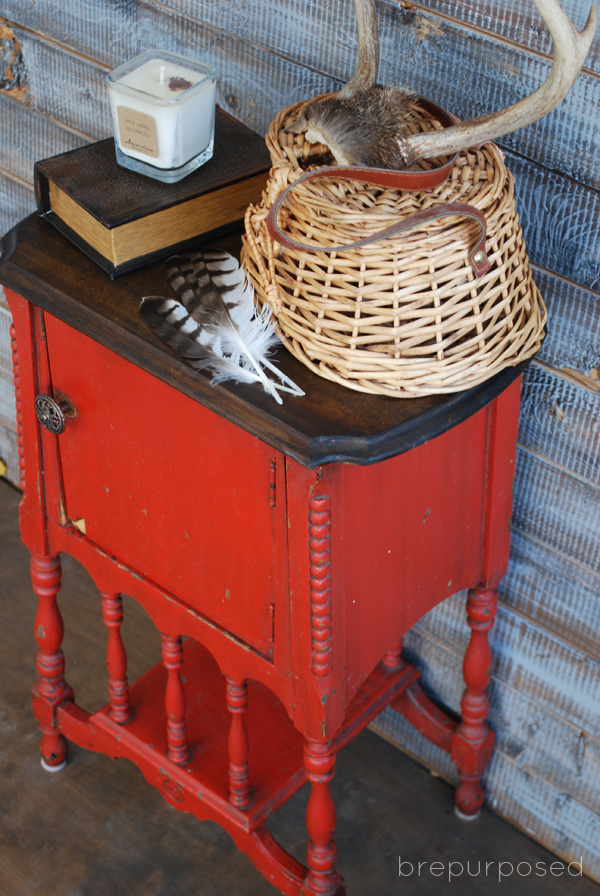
x,y
403,316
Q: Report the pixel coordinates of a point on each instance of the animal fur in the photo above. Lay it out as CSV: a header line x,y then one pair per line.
x,y
366,129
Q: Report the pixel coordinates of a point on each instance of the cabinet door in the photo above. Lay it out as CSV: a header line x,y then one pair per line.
x,y
167,487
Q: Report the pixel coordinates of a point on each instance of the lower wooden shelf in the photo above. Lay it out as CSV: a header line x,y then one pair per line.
x,y
201,784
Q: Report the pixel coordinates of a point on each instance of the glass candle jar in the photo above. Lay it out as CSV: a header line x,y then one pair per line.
x,y
163,111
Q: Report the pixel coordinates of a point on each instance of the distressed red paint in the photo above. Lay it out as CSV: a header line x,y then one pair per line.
x,y
282,592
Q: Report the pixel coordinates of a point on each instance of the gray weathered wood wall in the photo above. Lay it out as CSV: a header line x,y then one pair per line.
x,y
471,56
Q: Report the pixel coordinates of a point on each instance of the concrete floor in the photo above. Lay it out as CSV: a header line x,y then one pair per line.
x,y
97,828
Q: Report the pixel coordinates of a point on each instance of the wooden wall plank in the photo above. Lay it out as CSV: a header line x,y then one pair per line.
x,y
9,454
8,422
571,343
107,30
101,29
554,591
557,508
5,348
65,87
17,201
515,20
565,826
28,136
7,401
556,215
565,756
527,657
561,421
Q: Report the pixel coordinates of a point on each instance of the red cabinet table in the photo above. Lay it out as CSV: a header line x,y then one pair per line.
x,y
281,552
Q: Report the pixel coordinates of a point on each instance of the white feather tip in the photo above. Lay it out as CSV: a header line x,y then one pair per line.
x,y
215,324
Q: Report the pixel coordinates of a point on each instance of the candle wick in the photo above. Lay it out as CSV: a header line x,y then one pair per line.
x,y
162,74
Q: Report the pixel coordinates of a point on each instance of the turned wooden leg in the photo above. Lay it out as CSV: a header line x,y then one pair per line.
x,y
177,744
393,658
322,877
116,659
473,741
239,787
51,687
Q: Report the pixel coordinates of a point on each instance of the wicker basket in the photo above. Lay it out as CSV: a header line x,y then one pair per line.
x,y
403,316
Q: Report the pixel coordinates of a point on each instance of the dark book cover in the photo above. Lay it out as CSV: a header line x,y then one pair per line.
x,y
114,196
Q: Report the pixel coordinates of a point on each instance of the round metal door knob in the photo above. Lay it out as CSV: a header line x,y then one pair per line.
x,y
51,413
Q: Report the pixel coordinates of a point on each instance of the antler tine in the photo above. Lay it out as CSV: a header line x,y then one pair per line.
x,y
570,49
368,50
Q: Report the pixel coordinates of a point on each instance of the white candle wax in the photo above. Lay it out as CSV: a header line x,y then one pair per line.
x,y
163,109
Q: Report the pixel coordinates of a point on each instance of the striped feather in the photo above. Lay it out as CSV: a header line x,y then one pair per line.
x,y
214,323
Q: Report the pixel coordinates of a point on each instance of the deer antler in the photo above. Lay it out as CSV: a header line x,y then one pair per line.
x,y
570,49
369,125
368,50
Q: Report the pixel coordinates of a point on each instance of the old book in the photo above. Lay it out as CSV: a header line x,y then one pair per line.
x,y
124,220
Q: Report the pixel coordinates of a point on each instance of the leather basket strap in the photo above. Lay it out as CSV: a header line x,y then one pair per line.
x,y
477,256
401,180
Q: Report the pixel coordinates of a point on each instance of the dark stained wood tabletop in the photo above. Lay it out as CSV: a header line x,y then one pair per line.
x,y
330,423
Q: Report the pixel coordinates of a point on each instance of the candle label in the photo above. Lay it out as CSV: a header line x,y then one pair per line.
x,y
137,131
